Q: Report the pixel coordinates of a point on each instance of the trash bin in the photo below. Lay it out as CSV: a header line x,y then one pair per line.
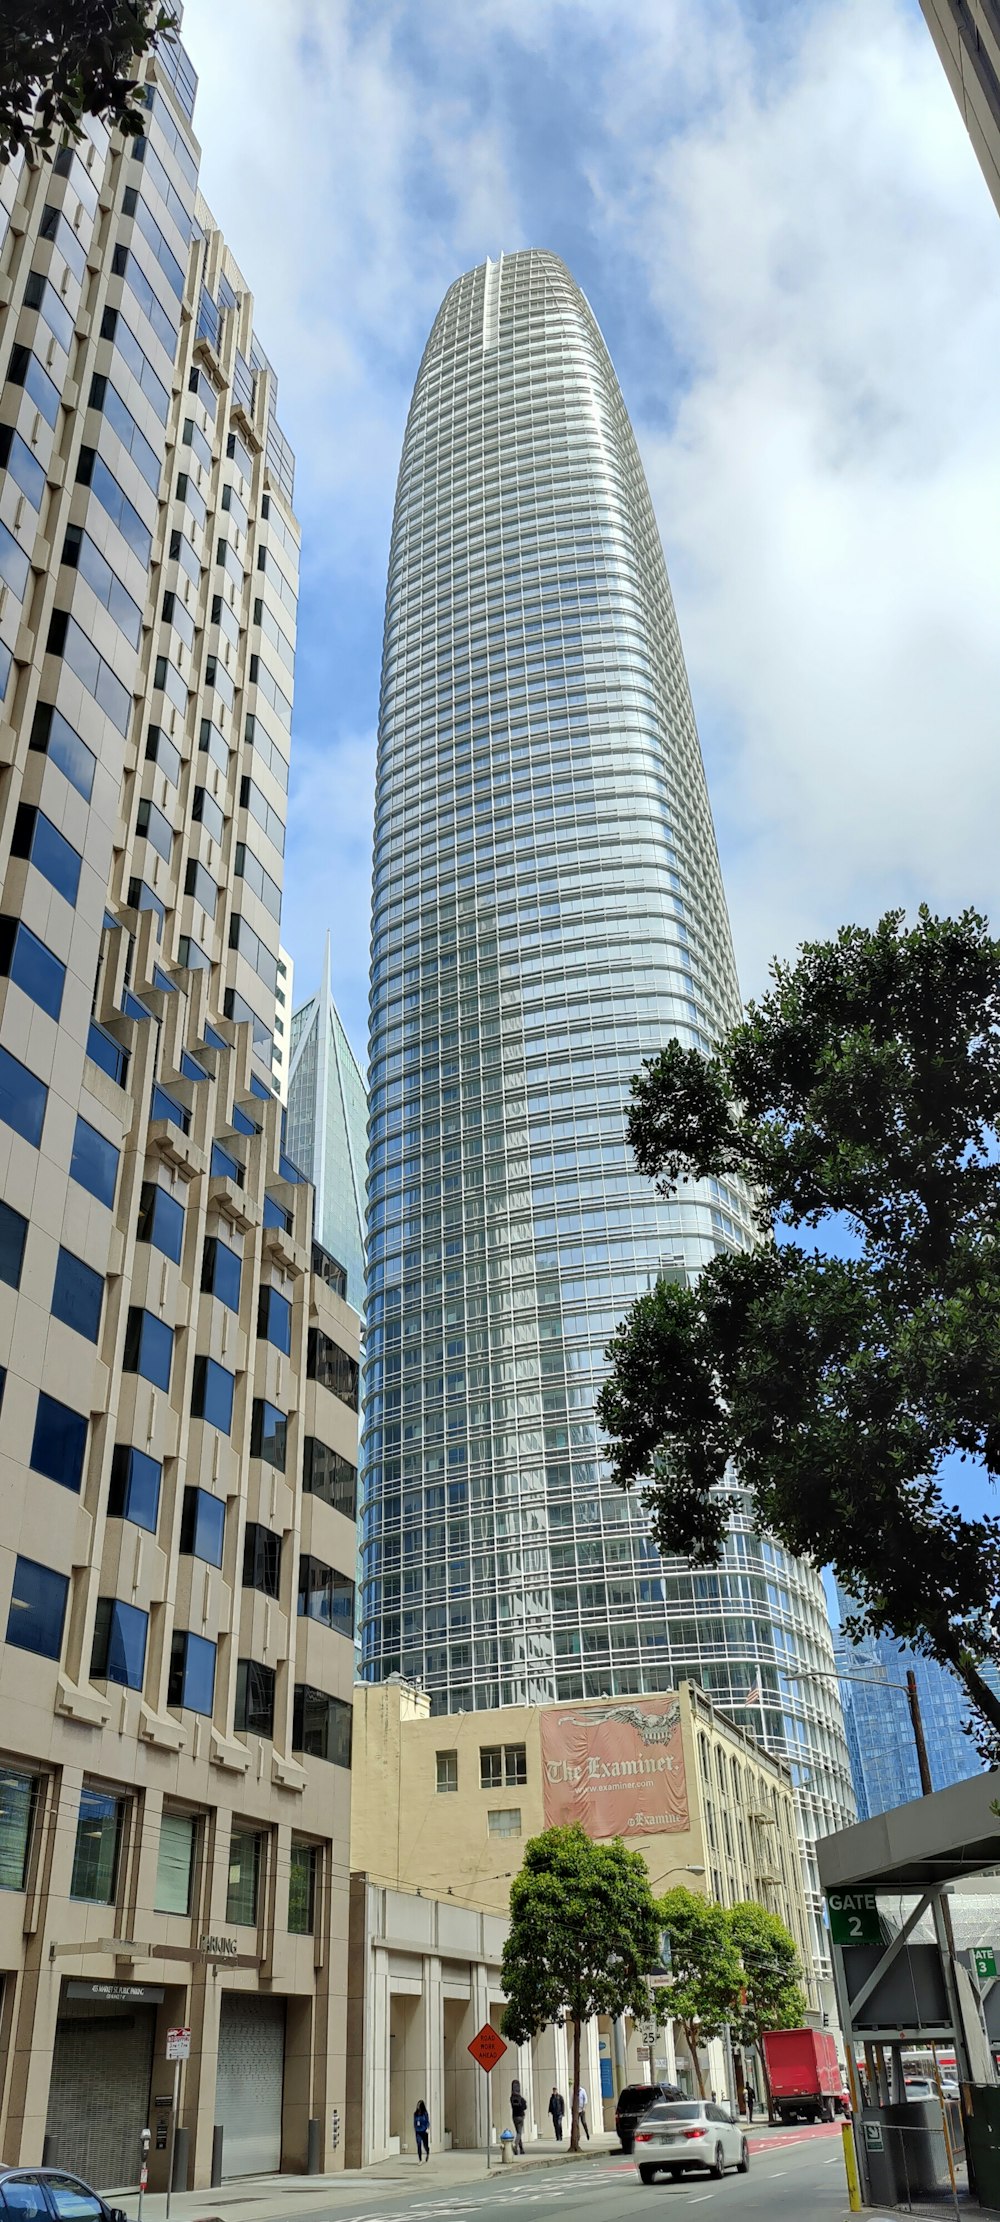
x,y
982,2141
905,2151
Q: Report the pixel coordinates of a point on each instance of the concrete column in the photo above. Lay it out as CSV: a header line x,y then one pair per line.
x,y
481,2014
377,2110
432,2033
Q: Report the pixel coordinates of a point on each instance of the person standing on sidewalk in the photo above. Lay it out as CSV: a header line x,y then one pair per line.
x,y
422,2130
581,2110
751,2101
518,2110
557,2108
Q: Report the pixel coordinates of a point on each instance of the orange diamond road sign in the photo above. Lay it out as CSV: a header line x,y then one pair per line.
x,y
487,2047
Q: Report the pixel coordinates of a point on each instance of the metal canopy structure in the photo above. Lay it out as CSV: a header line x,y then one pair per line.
x,y
894,1990
920,1846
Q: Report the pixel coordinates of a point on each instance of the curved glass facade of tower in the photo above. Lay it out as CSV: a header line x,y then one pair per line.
x,y
548,910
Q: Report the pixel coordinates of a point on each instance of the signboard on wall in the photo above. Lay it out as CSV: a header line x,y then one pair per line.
x,y
616,1769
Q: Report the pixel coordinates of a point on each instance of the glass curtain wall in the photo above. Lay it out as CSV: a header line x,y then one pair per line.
x,y
548,909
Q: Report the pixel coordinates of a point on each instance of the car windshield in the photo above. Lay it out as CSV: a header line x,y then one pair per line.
x,y
669,2110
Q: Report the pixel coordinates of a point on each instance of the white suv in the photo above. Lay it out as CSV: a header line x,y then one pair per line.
x,y
677,2134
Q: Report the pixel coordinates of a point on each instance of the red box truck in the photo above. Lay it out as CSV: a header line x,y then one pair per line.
x,y
804,2072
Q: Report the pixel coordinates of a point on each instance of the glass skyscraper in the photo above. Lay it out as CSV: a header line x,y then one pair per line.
x,y
877,1719
327,1129
548,909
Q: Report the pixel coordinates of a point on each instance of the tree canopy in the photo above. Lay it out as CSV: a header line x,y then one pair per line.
x,y
584,1935
858,1100
61,60
771,1996
706,1975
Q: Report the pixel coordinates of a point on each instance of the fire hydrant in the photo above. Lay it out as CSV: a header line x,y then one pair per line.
x,y
506,2147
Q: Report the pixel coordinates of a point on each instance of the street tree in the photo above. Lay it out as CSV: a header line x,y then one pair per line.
x,y
771,1995
62,60
584,1936
702,1990
829,1379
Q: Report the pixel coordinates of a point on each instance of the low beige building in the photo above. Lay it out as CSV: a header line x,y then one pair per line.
x,y
442,1808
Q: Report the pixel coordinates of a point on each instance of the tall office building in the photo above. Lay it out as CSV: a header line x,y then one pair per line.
x,y
879,1729
177,1441
967,36
548,909
328,1128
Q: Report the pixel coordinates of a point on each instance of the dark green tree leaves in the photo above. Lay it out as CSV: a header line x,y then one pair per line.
x,y
860,1098
61,60
584,1935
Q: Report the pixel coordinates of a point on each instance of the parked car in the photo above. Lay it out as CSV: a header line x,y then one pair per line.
x,y
678,2134
49,2195
634,2101
919,2087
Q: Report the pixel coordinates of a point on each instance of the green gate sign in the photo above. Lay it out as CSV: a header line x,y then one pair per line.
x,y
854,1917
985,1959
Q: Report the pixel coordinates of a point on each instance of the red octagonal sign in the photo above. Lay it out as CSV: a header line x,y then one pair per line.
x,y
487,2047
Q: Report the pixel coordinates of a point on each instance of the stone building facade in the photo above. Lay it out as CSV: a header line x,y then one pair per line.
x,y
178,1432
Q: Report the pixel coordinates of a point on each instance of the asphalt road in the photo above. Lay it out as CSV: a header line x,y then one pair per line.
x,y
787,2181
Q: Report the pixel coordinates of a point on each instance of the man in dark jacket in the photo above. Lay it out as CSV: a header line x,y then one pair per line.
x,y
557,2109
518,2110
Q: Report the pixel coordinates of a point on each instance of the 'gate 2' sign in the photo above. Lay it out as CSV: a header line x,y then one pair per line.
x,y
854,1917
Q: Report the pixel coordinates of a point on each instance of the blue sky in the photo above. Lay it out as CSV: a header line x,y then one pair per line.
x,y
778,219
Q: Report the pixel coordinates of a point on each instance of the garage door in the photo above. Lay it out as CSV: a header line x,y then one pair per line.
x,y
102,2065
249,2085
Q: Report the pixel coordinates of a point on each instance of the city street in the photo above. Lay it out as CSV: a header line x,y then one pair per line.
x,y
790,2176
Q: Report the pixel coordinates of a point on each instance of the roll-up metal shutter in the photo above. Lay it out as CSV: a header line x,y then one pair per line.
x,y
102,2064
249,2083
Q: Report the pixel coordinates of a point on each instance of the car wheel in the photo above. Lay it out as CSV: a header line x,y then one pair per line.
x,y
675,2174
743,2163
647,2174
718,2167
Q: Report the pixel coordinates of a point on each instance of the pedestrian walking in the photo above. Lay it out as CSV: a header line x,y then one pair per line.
x,y
581,2111
557,2108
518,2110
751,2101
422,2130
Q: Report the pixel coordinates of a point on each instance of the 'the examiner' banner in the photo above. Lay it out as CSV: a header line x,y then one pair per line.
x,y
617,1769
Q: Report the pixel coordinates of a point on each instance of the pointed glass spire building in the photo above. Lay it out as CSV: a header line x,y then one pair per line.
x,y
327,1119
548,909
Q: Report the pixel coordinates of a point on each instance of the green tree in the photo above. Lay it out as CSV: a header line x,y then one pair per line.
x,y
772,1996
61,60
703,1990
858,1101
584,1935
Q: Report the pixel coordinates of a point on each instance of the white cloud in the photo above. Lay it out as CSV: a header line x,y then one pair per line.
x,y
793,192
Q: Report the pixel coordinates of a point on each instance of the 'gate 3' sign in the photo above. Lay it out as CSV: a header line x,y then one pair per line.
x,y
617,1769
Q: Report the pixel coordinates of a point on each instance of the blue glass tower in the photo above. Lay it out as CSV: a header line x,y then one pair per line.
x,y
548,909
879,1730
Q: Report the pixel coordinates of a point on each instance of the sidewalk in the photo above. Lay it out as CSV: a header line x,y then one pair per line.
x,y
269,2198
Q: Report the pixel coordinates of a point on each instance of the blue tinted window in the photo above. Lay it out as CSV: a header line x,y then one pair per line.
x,y
59,1442
161,1220
149,1347
23,1098
156,828
37,1609
33,968
82,554
40,295
203,1526
25,469
77,1295
57,740
274,1319
212,1394
119,1653
6,667
135,1487
26,370
269,1433
225,1164
164,1106
13,1229
94,1162
68,639
106,397
220,1272
106,1052
37,838
275,1215
14,564
192,1672
93,471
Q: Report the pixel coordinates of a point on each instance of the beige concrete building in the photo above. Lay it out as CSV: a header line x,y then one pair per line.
x,y
179,1366
967,36
443,1806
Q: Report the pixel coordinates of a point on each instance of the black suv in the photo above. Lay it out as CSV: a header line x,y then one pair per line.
x,y
633,2102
